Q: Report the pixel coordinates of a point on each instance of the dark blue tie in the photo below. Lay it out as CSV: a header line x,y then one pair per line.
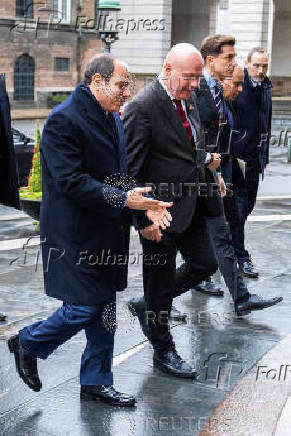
x,y
218,95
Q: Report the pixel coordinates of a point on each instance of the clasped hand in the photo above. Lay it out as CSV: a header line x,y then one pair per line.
x,y
156,211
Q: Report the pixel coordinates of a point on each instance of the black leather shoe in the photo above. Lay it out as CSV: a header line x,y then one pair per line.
x,y
255,302
248,269
26,364
137,308
176,315
171,363
2,316
209,287
108,394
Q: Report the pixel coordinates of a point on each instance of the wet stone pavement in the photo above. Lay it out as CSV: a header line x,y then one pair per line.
x,y
244,383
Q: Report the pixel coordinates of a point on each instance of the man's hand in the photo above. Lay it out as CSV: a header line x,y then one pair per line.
x,y
215,163
152,233
135,200
160,217
222,186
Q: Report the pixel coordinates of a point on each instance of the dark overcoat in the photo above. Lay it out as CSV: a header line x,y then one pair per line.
x,y
253,109
9,195
84,231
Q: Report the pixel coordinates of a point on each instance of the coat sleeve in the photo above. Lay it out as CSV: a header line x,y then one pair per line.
x,y
137,126
269,133
61,152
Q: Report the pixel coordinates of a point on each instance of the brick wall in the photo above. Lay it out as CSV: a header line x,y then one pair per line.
x,y
7,9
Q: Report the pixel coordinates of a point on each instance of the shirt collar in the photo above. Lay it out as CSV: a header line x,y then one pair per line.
x,y
170,95
255,84
165,88
211,82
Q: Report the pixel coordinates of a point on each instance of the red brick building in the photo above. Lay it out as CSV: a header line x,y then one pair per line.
x,y
43,51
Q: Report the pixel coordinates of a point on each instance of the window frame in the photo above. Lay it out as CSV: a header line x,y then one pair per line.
x,y
57,17
58,58
23,8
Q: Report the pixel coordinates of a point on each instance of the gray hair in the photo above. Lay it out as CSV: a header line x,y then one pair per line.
x,y
102,64
256,50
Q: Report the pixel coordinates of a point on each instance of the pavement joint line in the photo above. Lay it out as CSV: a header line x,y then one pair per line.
x,y
14,217
13,244
258,218
274,197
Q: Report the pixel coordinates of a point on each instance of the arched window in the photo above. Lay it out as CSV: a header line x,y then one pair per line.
x,y
24,8
24,78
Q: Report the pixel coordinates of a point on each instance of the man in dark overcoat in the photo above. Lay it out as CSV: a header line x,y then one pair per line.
x,y
253,109
9,195
84,229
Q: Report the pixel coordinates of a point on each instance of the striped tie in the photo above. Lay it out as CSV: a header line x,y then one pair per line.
x,y
218,95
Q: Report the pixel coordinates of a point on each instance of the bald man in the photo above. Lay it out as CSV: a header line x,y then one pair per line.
x,y
165,151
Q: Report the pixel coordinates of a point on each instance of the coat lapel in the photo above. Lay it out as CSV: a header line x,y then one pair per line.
x,y
193,114
93,111
121,144
166,105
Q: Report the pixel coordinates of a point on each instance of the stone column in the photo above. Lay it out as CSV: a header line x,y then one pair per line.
x,y
250,22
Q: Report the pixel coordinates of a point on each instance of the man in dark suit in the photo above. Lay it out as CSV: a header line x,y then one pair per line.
x,y
84,228
165,150
253,109
9,195
219,54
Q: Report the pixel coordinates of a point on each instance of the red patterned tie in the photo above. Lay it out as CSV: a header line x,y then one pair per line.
x,y
184,120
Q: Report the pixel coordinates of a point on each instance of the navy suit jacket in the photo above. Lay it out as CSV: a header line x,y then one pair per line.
x,y
84,232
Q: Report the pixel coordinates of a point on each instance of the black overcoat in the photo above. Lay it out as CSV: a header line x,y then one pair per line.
x,y
84,232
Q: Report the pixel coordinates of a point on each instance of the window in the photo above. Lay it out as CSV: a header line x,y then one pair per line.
x,y
62,64
62,11
24,8
24,78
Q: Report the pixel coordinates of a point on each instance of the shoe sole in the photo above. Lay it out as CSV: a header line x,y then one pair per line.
x,y
14,348
246,312
214,294
269,305
167,371
241,313
176,319
86,397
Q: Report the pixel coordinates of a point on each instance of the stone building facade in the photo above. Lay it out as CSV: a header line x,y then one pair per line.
x,y
253,22
42,50
45,44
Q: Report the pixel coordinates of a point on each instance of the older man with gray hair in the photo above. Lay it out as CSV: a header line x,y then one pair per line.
x,y
165,150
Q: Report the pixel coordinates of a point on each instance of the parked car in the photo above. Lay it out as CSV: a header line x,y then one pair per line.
x,y
23,146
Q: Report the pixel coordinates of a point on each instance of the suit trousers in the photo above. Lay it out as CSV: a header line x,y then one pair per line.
x,y
160,278
43,337
220,233
243,202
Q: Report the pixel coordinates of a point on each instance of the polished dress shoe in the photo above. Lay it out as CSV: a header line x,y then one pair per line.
x,y
176,315
26,364
137,308
2,316
248,269
255,302
171,363
209,287
108,394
